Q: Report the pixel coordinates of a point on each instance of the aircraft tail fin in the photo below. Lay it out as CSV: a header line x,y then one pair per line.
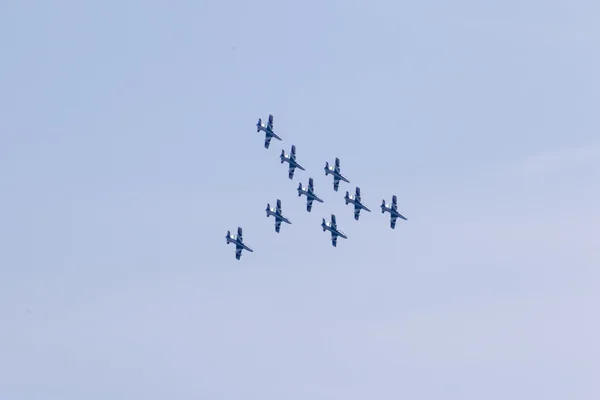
x,y
282,156
382,206
258,125
268,208
323,225
326,168
299,188
346,197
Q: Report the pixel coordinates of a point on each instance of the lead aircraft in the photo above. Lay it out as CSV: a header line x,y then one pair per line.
x,y
357,203
268,129
239,243
310,194
332,227
335,171
276,212
393,210
291,159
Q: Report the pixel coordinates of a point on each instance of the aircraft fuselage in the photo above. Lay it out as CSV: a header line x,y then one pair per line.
x,y
273,211
269,132
331,170
393,212
309,195
234,239
289,160
352,199
265,130
327,227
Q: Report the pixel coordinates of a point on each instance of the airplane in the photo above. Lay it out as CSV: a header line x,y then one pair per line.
x,y
310,194
357,203
239,243
268,129
332,227
291,159
335,171
276,212
393,210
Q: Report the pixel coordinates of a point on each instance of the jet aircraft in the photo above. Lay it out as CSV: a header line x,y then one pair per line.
x,y
276,212
335,171
310,194
357,203
332,227
268,129
291,159
393,210
239,243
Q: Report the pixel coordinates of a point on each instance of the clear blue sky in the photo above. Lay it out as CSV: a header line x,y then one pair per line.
x,y
128,148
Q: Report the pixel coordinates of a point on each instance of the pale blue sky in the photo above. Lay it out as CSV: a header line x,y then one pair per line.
x,y
128,148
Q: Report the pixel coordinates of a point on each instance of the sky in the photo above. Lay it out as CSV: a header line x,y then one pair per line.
x,y
128,148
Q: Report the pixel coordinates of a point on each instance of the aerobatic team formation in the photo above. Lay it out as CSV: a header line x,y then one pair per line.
x,y
309,192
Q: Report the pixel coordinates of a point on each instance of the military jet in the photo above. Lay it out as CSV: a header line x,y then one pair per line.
x,y
291,159
335,171
276,212
356,201
332,227
239,243
393,210
268,129
310,194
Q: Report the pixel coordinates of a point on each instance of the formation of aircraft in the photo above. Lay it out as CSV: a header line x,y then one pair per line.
x,y
311,196
393,210
309,192
332,227
268,129
357,203
291,159
276,212
335,171
239,243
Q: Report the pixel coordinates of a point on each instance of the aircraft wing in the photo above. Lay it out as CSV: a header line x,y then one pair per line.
x,y
291,170
309,203
277,225
337,165
336,183
270,123
333,222
238,251
311,187
357,194
278,209
356,211
333,239
267,141
293,153
239,234
394,203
